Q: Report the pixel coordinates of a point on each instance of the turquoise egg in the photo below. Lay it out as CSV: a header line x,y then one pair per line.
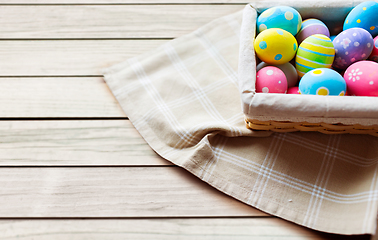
x,y
364,15
322,81
283,17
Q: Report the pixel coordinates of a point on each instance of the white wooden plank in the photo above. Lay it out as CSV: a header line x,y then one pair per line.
x,y
122,2
106,21
67,58
74,143
164,229
112,192
57,97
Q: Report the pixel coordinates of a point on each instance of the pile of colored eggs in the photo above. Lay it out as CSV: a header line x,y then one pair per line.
x,y
299,57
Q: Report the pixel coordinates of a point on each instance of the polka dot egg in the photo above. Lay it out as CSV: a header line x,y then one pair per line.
x,y
271,80
316,51
374,54
362,78
310,27
288,69
322,81
283,17
365,16
275,46
352,45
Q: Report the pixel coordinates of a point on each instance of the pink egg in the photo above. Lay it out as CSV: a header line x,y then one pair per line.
x,y
293,90
362,78
271,80
374,54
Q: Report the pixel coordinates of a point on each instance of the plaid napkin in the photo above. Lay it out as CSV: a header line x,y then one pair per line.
x,y
184,100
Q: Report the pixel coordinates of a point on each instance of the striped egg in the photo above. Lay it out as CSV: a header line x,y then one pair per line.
x,y
310,27
316,51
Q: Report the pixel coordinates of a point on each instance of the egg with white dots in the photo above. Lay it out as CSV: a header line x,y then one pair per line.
x,y
352,45
364,15
362,78
283,17
271,80
288,69
324,82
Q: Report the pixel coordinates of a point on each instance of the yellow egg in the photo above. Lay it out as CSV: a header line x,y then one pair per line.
x,y
275,46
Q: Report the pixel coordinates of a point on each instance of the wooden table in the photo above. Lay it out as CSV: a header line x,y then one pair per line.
x,y
72,165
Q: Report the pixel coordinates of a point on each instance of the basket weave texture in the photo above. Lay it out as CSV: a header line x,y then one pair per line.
x,y
287,126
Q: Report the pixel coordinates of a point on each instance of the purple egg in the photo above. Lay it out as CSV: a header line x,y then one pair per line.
x,y
352,45
310,27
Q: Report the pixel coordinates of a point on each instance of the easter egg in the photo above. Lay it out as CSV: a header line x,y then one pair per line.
x,y
362,78
310,27
283,17
322,81
316,51
288,69
271,80
332,37
275,46
364,15
374,54
293,90
352,45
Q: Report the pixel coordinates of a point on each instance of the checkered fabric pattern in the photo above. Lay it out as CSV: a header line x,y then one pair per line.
x,y
184,100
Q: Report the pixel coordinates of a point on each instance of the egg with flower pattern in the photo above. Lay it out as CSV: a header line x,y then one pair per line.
x,y
352,45
362,78
316,51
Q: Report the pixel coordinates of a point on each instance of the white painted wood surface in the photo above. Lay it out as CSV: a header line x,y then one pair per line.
x,y
107,21
71,164
163,229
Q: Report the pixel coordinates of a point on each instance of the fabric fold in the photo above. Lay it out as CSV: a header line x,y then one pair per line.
x,y
184,100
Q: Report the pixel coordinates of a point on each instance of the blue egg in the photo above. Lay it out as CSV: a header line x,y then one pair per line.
x,y
283,17
322,81
332,37
364,15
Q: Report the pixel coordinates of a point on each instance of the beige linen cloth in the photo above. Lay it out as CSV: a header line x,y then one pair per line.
x,y
184,100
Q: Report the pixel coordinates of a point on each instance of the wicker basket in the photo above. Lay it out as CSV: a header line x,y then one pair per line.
x,y
293,112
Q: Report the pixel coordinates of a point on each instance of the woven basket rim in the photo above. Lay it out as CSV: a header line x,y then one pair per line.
x,y
326,128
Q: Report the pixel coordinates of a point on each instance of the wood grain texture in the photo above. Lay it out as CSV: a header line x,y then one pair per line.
x,y
67,58
98,179
57,97
106,21
112,192
155,2
74,143
164,229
